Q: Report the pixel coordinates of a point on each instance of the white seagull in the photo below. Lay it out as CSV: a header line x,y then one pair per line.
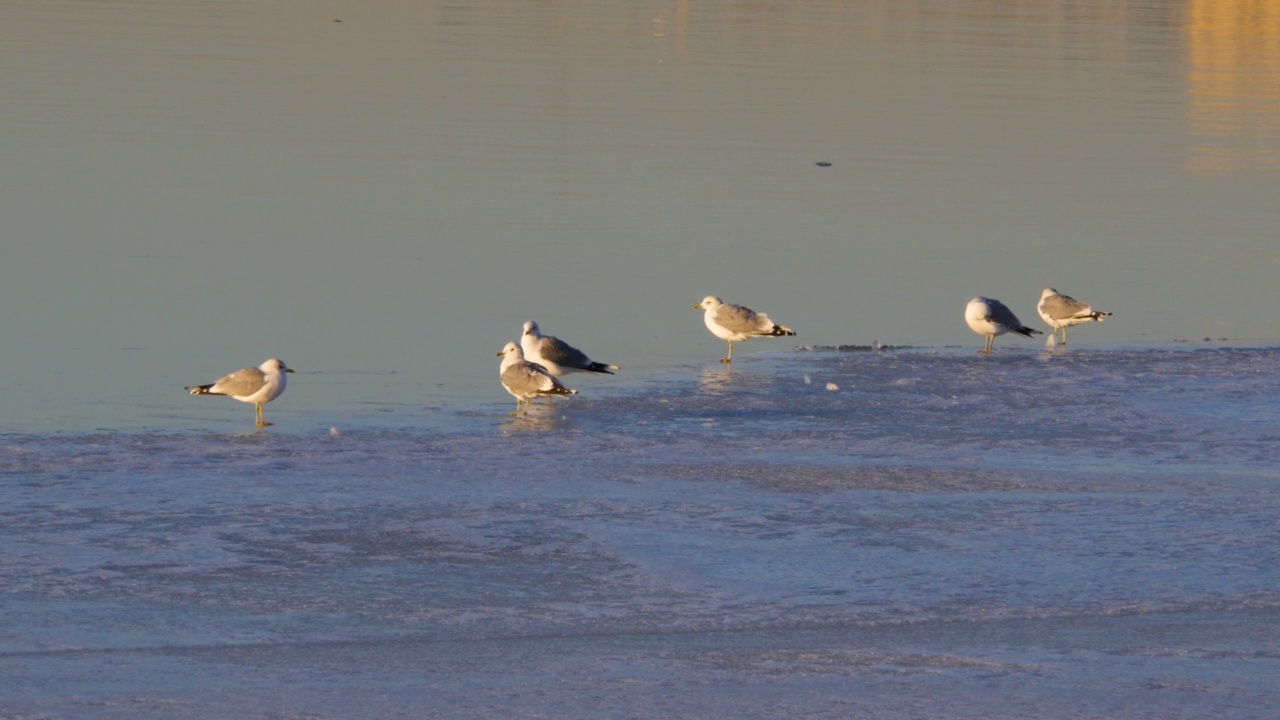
x,y
557,356
258,385
991,318
526,380
735,322
1062,311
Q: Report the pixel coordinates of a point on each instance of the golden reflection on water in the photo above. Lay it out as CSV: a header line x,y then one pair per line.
x,y
1233,85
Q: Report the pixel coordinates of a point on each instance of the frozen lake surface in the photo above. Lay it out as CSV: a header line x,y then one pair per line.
x,y
1089,533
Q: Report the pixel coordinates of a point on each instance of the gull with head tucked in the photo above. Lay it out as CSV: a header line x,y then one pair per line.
x,y
258,385
1062,311
526,380
735,322
557,356
990,318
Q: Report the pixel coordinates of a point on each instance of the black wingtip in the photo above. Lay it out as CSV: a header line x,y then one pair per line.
x,y
1029,332
600,368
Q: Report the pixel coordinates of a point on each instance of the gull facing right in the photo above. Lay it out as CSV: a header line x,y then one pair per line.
x,y
258,385
1062,311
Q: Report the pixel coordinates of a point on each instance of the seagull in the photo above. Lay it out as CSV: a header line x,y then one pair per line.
x,y
258,385
526,380
991,318
735,322
557,356
1062,311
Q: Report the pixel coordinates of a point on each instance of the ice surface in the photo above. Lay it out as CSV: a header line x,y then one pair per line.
x,y
1076,534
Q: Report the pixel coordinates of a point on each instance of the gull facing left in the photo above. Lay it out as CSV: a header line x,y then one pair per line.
x,y
557,356
258,385
526,380
990,318
735,322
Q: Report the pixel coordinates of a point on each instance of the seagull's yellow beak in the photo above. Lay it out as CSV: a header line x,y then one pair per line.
x,y
289,370
698,306
500,353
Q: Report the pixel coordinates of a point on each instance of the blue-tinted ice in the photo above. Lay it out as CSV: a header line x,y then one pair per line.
x,y
1090,533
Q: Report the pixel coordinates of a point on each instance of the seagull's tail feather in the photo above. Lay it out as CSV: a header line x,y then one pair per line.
x,y
781,330
1028,331
201,389
1097,315
602,368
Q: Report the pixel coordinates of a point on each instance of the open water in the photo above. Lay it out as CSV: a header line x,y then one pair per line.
x,y
831,533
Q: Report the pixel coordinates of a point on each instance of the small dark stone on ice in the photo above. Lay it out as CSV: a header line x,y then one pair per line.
x,y
823,164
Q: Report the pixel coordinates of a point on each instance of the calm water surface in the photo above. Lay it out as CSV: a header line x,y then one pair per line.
x,y
189,188
381,195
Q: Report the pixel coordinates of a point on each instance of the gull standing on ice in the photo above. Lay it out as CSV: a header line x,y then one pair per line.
x,y
258,385
991,318
735,322
1062,311
557,356
526,380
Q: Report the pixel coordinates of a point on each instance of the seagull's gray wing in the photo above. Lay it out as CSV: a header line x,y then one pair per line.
x,y
998,312
1063,307
738,319
240,383
527,379
563,354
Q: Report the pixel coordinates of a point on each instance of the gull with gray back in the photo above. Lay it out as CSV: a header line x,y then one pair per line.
x,y
990,318
557,356
258,385
526,380
1062,311
735,322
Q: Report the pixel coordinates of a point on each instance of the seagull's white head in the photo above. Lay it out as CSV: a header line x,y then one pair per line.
x,y
274,365
531,328
511,350
709,302
978,308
